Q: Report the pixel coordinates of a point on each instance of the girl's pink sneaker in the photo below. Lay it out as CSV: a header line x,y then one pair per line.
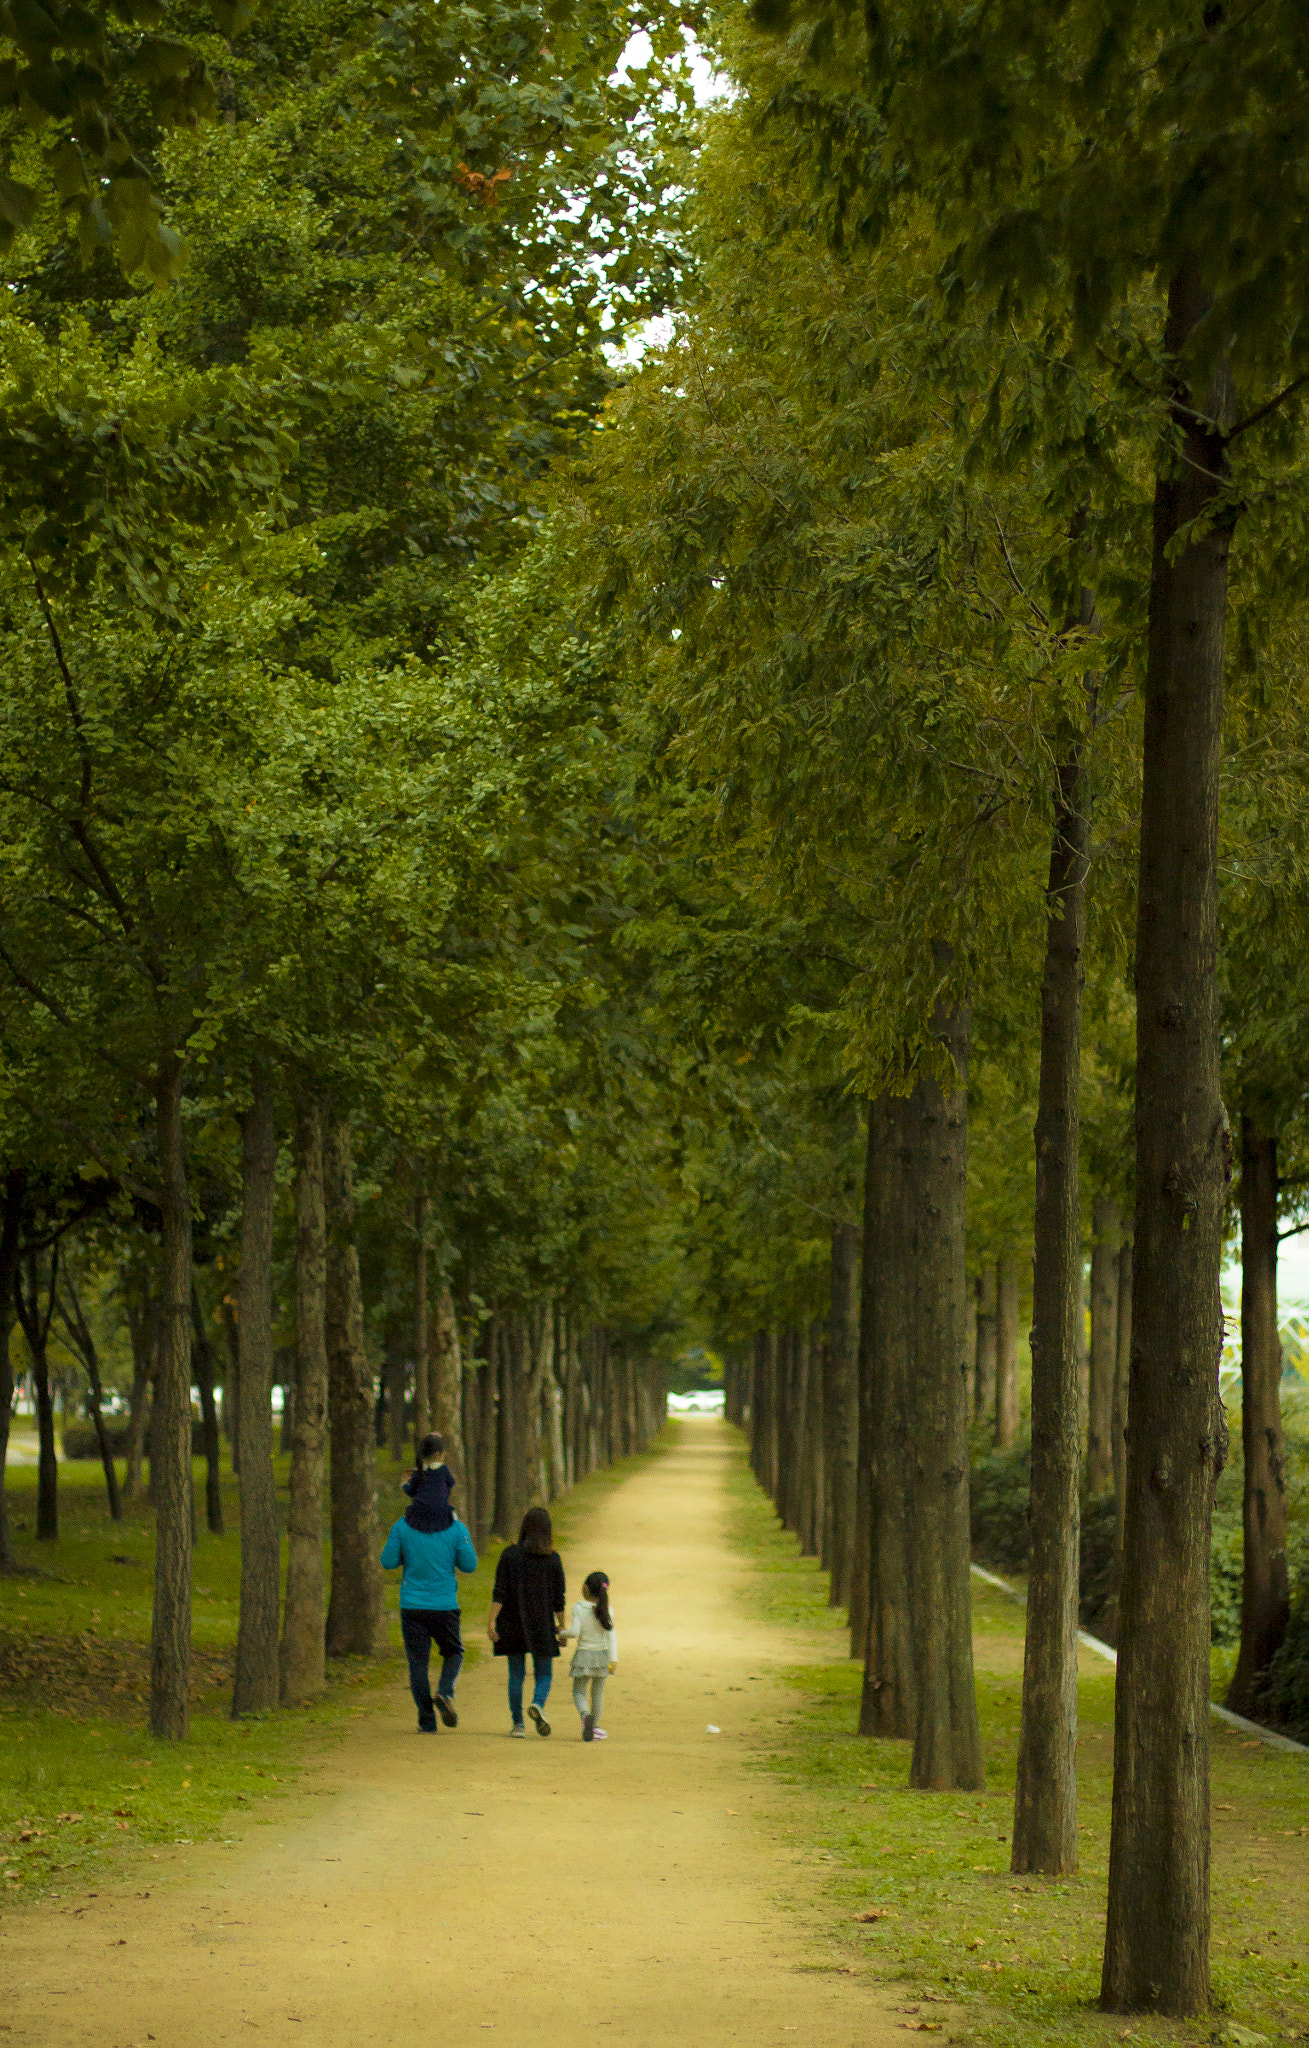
x,y
599,1735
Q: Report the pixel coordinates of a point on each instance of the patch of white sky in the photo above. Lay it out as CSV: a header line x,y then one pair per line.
x,y
707,85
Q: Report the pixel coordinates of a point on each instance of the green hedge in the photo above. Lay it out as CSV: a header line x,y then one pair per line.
x,y
998,1491
1284,1694
80,1440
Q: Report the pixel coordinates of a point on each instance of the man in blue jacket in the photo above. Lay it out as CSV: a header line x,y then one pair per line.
x,y
429,1611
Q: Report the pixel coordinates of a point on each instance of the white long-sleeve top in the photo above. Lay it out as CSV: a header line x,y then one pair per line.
x,y
597,1648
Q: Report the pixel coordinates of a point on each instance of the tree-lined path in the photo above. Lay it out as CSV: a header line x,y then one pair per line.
x,y
544,1891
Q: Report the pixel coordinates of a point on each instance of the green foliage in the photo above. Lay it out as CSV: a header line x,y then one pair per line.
x,y
1284,1691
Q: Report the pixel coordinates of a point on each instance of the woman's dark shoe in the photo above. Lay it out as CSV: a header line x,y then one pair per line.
x,y
446,1709
542,1725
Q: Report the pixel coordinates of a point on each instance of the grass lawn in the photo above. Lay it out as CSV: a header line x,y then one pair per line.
x,y
86,1794
981,1955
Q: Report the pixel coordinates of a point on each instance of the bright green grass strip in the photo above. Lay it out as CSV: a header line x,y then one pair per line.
x,y
991,1957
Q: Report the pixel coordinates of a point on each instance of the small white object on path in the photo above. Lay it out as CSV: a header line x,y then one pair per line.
x,y
711,1730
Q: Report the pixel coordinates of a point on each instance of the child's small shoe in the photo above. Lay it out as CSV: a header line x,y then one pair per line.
x,y
599,1735
588,1727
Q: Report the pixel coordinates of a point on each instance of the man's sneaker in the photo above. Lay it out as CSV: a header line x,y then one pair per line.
x,y
588,1727
542,1725
599,1736
519,1730
446,1709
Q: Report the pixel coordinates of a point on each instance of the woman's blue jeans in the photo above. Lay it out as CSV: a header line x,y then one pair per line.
x,y
542,1672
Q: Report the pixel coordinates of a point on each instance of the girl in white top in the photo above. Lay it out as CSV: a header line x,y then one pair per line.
x,y
596,1654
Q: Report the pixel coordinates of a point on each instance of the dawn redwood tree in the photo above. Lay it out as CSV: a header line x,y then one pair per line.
x,y
1106,1234
1129,164
947,1738
1045,1805
305,1613
36,1285
355,1622
888,1705
1265,1588
256,1683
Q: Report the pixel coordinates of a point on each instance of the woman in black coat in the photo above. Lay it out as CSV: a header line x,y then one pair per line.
x,y
527,1613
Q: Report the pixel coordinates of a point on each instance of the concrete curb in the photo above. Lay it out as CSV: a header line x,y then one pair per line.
x,y
1099,1649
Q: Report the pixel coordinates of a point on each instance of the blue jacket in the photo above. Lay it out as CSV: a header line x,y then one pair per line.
x,y
429,1563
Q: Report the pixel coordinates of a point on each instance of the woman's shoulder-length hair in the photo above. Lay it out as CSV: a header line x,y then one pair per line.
x,y
536,1534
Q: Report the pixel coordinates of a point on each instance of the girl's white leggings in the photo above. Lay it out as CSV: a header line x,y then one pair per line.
x,y
597,1686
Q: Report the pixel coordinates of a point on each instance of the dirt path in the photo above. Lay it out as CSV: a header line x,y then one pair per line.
x,y
546,1891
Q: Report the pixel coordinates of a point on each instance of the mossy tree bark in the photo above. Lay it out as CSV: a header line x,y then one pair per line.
x,y
947,1739
355,1625
888,1703
1045,1803
256,1683
1265,1586
1157,1934
170,1423
1106,1238
301,1656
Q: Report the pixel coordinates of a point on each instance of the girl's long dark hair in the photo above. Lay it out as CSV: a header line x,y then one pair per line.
x,y
536,1533
431,1446
596,1589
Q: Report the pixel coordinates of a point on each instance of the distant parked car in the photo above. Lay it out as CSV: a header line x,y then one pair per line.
x,y
704,1401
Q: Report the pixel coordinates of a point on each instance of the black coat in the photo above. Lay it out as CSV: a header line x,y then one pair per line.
x,y
530,1590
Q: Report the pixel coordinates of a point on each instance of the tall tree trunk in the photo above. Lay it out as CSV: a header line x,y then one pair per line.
x,y
1157,1934
301,1657
984,1347
395,1374
1122,1376
143,1330
355,1623
79,1335
815,1475
868,1419
15,1188
888,1703
445,1379
170,1424
47,1471
422,1339
1006,1352
1045,1801
1265,1589
488,1437
1083,1350
508,1508
202,1352
790,1425
1108,1625
256,1682
947,1740
758,1405
228,1314
1106,1229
